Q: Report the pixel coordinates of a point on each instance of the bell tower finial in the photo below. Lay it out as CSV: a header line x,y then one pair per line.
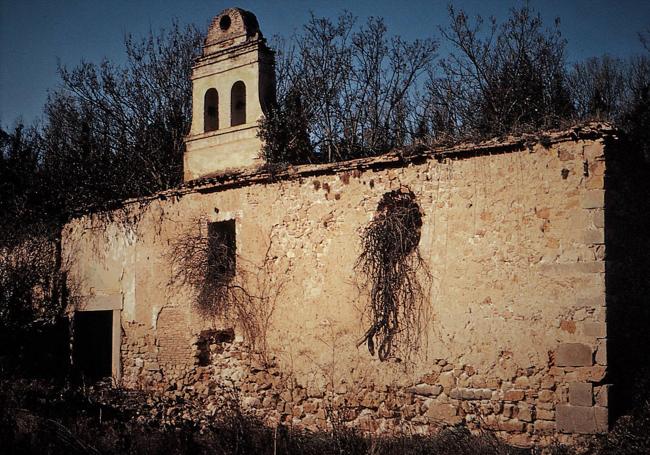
x,y
233,84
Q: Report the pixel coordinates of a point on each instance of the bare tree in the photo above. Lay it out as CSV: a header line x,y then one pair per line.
x,y
355,88
499,78
615,90
635,121
21,198
644,37
117,131
598,87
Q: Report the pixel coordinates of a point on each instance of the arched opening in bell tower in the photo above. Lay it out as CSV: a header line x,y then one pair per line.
x,y
238,104
211,111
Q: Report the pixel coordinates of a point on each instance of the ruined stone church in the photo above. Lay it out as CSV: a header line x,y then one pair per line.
x,y
516,329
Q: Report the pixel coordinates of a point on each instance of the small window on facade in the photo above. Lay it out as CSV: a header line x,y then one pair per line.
x,y
222,248
238,104
211,111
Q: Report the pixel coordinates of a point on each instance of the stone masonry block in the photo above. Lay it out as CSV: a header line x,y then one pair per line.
x,y
602,397
543,426
599,218
574,355
441,411
596,301
591,374
545,414
594,329
597,168
564,154
593,199
573,267
524,412
581,419
594,151
594,237
545,396
594,182
601,352
581,394
425,389
513,395
512,426
590,267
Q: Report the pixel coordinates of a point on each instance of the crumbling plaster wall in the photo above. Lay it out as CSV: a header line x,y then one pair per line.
x,y
513,328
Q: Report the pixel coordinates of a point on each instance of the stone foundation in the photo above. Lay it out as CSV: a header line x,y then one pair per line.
x,y
532,406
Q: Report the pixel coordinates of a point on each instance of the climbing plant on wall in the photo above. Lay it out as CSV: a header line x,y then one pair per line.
x,y
226,287
391,264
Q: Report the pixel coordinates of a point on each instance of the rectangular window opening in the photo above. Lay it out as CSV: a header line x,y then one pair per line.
x,y
222,249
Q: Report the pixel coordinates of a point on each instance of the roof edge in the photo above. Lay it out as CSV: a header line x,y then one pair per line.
x,y
397,158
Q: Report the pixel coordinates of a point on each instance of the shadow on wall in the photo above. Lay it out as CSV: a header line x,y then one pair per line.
x,y
627,277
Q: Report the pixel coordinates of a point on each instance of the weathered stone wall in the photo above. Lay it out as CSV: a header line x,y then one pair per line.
x,y
513,329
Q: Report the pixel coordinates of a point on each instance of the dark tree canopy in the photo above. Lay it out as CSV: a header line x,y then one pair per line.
x,y
606,87
20,191
115,131
347,90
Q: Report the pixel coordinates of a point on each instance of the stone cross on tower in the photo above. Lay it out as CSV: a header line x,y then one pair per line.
x,y
233,83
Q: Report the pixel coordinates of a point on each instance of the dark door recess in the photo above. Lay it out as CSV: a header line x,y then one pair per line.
x,y
93,341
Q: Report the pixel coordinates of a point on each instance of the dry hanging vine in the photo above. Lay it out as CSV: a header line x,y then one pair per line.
x,y
198,263
391,262
244,294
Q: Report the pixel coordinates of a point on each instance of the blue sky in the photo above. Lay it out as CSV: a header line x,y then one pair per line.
x,y
37,34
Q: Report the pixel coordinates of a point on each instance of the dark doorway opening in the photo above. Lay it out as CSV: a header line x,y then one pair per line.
x,y
93,344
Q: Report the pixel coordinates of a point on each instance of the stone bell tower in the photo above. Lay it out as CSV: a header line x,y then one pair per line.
x,y
233,84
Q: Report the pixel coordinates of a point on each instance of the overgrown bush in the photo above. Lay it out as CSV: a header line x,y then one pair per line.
x,y
34,336
629,434
285,132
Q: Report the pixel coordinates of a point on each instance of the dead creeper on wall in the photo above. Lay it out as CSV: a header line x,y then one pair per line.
x,y
391,265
